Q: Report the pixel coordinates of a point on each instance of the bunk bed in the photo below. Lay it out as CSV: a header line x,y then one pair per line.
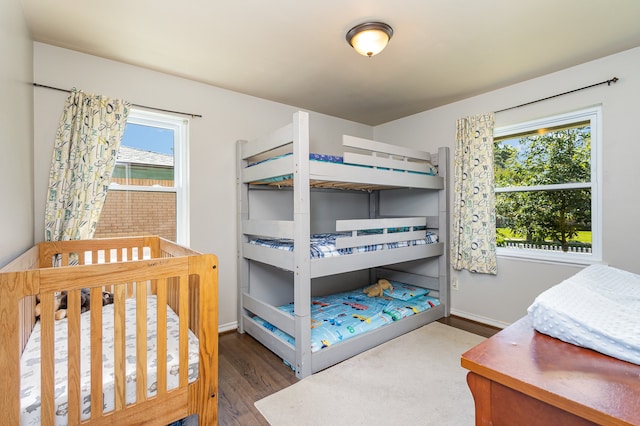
x,y
148,356
386,209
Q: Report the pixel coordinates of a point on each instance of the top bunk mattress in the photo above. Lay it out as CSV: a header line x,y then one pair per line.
x,y
273,158
334,159
597,308
337,172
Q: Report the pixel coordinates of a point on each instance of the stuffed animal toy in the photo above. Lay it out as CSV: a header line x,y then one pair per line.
x,y
377,289
60,303
57,301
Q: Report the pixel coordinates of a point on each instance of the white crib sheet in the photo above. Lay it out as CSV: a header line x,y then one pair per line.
x,y
30,362
597,308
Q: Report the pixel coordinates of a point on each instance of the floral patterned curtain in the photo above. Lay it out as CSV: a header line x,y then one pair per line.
x,y
473,245
84,156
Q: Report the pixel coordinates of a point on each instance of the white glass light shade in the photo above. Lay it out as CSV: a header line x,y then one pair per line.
x,y
370,38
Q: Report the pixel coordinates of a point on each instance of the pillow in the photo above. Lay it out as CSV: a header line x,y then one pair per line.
x,y
402,291
398,309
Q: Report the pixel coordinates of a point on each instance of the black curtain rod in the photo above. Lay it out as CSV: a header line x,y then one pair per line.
x,y
607,82
135,105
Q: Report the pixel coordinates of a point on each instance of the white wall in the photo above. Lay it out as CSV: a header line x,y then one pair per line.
x,y
227,117
16,214
502,299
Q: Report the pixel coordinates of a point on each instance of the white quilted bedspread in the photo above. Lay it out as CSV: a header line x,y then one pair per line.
x,y
597,308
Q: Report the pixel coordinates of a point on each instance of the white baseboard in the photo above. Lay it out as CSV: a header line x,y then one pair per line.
x,y
479,319
228,327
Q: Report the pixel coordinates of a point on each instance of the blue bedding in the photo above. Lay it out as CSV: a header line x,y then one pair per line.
x,y
341,316
324,245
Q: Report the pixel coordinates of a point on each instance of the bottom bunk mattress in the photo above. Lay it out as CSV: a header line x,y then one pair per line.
x,y
597,308
30,362
341,316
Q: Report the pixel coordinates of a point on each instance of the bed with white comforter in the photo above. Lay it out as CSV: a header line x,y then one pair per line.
x,y
597,308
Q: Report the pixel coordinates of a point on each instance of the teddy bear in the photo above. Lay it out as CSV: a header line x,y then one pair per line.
x,y
57,302
60,302
377,289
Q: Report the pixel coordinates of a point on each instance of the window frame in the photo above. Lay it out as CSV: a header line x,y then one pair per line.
x,y
180,128
594,116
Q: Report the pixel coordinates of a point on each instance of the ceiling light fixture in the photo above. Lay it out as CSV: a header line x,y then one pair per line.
x,y
370,38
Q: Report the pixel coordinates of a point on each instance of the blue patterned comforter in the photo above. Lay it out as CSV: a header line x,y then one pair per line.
x,y
341,316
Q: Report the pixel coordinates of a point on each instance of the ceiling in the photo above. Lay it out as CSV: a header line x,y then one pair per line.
x,y
295,52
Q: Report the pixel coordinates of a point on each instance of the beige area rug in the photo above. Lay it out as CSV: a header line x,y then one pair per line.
x,y
413,379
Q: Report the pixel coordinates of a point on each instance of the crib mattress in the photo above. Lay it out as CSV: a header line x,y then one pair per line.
x,y
324,245
30,362
341,316
597,308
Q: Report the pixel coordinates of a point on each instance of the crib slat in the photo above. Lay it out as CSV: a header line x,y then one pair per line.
x,y
154,286
95,308
141,342
120,353
47,356
184,330
73,368
173,292
162,336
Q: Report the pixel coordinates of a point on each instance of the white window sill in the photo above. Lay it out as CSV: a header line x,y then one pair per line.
x,y
526,255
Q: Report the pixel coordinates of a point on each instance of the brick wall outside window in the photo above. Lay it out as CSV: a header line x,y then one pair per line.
x,y
134,213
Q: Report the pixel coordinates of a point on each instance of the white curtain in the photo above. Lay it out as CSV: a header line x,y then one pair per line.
x,y
473,245
84,156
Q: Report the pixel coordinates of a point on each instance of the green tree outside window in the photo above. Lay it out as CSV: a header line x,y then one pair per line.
x,y
537,171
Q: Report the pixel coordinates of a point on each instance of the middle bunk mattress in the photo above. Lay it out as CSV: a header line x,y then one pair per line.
x,y
356,244
324,245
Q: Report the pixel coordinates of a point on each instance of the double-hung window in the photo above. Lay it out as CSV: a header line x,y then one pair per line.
x,y
547,191
148,194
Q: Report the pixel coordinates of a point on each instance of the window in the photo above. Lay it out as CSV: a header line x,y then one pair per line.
x,y
148,193
547,193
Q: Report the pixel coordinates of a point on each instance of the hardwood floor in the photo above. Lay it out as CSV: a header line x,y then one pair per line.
x,y
474,327
248,372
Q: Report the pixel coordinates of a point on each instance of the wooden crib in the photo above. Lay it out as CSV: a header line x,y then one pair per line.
x,y
136,269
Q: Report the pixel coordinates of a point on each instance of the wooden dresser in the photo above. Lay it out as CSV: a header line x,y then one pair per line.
x,y
522,377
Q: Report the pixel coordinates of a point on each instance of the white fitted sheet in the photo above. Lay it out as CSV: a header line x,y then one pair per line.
x,y
30,362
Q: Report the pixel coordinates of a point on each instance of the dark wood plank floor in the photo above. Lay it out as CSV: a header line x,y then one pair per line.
x,y
248,372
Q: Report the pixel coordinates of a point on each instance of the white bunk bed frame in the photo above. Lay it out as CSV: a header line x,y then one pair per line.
x,y
314,174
